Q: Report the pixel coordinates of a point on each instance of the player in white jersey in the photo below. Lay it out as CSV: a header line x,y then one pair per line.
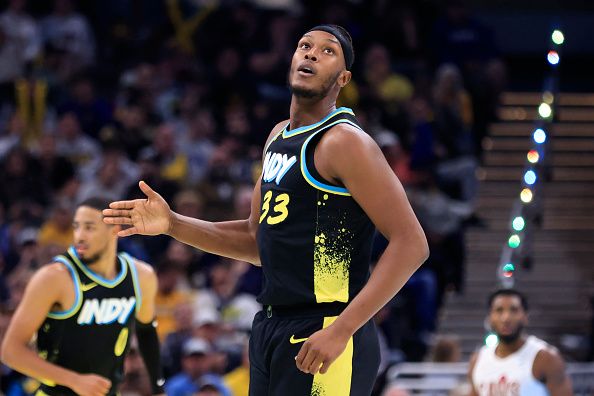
x,y
519,365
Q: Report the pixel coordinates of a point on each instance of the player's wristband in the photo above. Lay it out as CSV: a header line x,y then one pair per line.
x,y
148,344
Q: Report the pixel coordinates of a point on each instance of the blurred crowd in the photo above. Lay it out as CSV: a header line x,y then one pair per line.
x,y
95,96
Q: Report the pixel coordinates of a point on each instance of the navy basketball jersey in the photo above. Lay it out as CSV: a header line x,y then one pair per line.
x,y
314,239
93,335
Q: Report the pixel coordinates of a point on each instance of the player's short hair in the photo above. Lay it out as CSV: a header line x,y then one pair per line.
x,y
97,203
508,293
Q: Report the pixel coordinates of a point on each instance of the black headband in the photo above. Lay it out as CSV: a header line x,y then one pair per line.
x,y
345,43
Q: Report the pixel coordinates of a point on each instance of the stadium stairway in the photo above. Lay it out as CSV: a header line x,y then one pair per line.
x,y
560,284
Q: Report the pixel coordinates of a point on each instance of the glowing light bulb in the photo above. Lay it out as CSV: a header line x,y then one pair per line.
x,y
518,223
533,156
530,177
491,340
545,110
539,136
557,37
553,58
526,195
514,241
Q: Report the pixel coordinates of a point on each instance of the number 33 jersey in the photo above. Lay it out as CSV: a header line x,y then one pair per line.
x,y
314,239
93,335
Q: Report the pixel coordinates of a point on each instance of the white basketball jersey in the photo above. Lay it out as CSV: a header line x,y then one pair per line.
x,y
509,376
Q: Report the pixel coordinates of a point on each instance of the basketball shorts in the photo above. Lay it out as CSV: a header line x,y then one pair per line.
x,y
277,336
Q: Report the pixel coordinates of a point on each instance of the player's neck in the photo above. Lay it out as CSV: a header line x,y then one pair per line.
x,y
505,349
305,111
106,266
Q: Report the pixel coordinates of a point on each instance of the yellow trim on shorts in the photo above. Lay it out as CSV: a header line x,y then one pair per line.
x,y
337,381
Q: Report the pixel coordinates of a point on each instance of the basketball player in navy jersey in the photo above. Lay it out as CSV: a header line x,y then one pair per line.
x,y
83,307
324,186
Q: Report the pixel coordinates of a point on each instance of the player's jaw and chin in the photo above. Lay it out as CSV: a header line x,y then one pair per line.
x,y
510,336
309,87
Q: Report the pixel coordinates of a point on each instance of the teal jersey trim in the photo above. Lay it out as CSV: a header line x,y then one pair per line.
x,y
308,176
78,299
305,128
135,281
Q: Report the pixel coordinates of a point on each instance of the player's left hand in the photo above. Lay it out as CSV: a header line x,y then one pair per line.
x,y
320,350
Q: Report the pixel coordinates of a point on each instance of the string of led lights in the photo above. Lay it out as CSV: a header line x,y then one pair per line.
x,y
526,210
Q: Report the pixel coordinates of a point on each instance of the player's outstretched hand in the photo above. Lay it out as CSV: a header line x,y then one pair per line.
x,y
150,216
91,385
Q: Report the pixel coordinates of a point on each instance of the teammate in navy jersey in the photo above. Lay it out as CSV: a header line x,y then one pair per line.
x,y
83,307
325,185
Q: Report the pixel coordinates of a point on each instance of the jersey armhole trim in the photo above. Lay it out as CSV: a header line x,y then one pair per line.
x,y
135,280
317,184
78,299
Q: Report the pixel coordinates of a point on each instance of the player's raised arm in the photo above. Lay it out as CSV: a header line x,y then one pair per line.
x,y
45,289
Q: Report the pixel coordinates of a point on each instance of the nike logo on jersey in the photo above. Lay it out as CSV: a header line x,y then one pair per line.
x,y
294,340
106,310
276,166
87,286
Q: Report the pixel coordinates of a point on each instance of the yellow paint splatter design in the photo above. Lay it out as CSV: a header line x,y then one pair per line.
x,y
332,259
337,381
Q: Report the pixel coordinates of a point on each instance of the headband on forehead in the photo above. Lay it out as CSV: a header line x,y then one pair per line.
x,y
345,42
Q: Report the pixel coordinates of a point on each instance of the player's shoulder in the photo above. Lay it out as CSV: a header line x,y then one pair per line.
x,y
548,361
52,275
277,129
143,269
346,135
54,270
345,141
549,353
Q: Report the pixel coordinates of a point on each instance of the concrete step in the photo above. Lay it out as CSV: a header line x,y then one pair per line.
x,y
555,130
575,203
511,189
511,173
518,158
536,98
580,144
530,113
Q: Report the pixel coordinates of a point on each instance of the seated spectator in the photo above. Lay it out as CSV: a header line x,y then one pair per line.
x,y
21,40
173,164
169,296
196,371
74,144
93,112
57,230
70,32
238,380
453,145
236,310
112,179
172,347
